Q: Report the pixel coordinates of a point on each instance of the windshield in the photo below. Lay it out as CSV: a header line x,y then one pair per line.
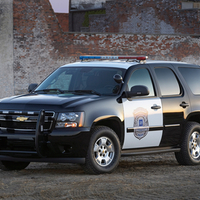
x,y
95,80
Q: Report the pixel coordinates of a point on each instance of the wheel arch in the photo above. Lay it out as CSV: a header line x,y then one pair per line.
x,y
113,123
193,117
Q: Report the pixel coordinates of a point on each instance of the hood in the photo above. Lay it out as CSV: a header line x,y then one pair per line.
x,y
45,101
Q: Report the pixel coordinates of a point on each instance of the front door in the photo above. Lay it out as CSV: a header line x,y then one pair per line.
x,y
143,117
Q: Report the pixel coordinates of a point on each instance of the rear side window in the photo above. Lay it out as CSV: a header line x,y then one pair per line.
x,y
167,81
192,77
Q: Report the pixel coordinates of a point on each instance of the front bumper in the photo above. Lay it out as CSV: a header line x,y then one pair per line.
x,y
68,145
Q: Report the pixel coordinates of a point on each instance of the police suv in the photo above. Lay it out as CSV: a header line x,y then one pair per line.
x,y
94,112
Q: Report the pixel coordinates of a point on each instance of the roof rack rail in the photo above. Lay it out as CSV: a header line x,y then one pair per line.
x,y
135,58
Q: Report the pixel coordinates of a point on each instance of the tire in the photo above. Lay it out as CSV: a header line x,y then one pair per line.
x,y
190,145
10,165
104,151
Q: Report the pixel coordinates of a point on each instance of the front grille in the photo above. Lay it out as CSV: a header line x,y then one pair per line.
x,y
13,121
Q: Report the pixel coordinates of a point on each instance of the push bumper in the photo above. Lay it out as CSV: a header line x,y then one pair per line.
x,y
61,145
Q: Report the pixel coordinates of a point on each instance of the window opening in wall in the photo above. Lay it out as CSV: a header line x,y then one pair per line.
x,y
191,5
94,12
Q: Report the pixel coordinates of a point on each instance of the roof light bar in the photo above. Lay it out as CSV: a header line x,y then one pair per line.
x,y
114,57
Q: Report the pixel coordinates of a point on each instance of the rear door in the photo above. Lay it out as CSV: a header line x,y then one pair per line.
x,y
175,103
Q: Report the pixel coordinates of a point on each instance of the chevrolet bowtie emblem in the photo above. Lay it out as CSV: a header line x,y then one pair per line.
x,y
21,119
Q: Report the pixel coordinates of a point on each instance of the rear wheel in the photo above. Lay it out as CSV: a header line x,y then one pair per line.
x,y
104,151
10,165
190,145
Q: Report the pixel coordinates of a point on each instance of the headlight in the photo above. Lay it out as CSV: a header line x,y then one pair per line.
x,y
71,119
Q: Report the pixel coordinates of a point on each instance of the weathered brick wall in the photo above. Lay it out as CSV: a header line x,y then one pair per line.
x,y
148,17
6,48
63,19
40,45
38,42
161,47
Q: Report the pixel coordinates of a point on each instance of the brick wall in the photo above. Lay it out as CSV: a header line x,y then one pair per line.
x,y
38,42
63,19
162,47
147,17
40,45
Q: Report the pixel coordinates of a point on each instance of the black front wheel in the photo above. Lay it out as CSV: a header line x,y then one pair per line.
x,y
10,165
104,151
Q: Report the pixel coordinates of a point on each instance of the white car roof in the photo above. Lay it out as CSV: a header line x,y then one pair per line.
x,y
116,63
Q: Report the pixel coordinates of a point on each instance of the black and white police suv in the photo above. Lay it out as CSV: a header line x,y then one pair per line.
x,y
94,112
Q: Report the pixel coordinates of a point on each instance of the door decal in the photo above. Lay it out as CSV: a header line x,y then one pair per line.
x,y
141,123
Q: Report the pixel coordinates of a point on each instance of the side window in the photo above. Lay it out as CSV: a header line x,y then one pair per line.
x,y
168,82
192,77
141,77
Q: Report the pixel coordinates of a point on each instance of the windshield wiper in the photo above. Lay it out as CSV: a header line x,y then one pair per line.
x,y
69,91
51,90
87,92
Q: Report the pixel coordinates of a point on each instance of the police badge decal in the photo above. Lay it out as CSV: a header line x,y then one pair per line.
x,y
141,123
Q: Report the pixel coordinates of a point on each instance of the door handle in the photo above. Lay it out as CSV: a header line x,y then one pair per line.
x,y
155,107
184,105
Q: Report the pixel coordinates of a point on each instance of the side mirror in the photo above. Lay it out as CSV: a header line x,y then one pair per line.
x,y
138,90
118,78
32,86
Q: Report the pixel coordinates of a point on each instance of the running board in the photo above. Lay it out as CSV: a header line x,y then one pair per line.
x,y
46,160
136,152
18,152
